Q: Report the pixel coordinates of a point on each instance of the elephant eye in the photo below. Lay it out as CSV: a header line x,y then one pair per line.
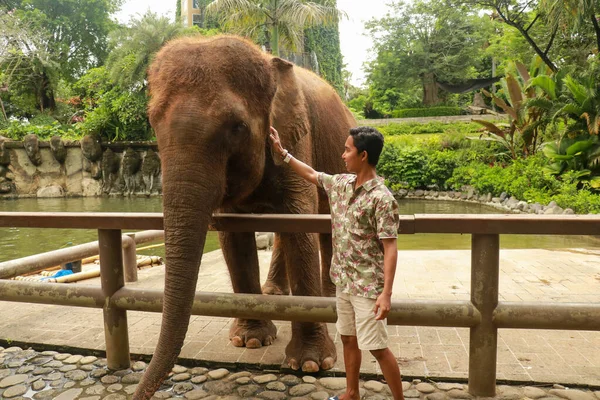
x,y
240,127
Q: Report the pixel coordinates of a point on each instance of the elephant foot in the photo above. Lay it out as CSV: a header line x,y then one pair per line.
x,y
310,348
252,333
272,288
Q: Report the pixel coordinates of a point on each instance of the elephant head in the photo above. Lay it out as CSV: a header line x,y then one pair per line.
x,y
210,108
32,148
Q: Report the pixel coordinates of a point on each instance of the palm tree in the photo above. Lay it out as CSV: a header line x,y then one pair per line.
x,y
283,21
572,13
136,45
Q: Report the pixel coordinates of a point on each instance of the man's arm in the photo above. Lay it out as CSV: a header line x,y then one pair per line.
x,y
390,258
302,169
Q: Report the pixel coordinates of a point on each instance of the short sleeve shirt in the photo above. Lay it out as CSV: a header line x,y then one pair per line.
x,y
360,218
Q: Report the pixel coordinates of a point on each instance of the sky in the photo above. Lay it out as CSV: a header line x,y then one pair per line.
x,y
354,44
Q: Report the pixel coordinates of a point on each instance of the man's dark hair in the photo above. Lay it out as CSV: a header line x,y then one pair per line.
x,y
370,140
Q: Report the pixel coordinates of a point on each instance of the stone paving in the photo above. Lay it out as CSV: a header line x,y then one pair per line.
x,y
27,374
524,356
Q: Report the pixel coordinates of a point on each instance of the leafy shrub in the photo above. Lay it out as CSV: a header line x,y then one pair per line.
x,y
427,112
16,130
393,129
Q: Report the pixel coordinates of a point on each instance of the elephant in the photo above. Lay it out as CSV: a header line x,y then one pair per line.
x,y
212,101
32,148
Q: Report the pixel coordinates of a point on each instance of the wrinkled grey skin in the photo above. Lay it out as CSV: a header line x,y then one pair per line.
x,y
32,148
131,165
150,170
58,149
110,166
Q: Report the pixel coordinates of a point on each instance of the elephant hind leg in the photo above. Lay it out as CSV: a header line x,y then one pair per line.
x,y
277,282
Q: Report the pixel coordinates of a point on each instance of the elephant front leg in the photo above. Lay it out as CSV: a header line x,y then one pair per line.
x,y
239,250
277,281
311,347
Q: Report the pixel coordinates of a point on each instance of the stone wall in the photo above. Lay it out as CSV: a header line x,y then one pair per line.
x,y
57,168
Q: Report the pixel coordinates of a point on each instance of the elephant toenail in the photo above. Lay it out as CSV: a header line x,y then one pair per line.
x,y
253,344
310,366
237,341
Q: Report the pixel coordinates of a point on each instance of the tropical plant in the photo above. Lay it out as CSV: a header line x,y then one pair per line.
x,y
583,107
579,155
280,22
527,106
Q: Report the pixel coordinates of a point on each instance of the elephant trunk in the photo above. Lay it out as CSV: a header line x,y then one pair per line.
x,y
189,197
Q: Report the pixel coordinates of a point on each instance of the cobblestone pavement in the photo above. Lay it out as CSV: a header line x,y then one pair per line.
x,y
524,356
27,374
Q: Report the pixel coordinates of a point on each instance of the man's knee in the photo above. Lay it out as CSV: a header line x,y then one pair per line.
x,y
379,353
349,340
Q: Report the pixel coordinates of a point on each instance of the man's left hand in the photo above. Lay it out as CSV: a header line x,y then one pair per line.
x,y
383,306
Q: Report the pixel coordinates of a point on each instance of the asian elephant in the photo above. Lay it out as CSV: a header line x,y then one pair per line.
x,y
212,102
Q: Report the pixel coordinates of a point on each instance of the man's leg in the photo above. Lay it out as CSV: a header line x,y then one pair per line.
x,y
391,371
352,360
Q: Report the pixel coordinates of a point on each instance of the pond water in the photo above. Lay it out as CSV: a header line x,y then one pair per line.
x,y
21,242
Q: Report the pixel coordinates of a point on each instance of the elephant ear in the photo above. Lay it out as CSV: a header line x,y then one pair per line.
x,y
289,114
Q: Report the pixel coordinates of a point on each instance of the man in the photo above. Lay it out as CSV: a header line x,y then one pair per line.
x,y
364,221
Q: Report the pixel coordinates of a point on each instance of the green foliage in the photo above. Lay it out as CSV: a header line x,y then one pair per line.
x,y
450,129
325,42
16,130
427,112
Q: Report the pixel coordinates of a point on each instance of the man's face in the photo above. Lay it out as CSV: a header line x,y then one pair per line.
x,y
351,158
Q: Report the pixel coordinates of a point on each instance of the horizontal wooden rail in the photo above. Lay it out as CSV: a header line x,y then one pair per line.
x,y
532,315
319,223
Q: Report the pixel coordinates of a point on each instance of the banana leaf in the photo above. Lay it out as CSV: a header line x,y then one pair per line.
x,y
545,83
515,92
579,147
491,127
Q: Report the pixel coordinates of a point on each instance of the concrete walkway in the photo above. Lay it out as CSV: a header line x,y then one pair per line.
x,y
524,356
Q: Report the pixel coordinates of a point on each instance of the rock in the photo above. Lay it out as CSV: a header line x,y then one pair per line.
x,y
458,394
242,374
38,385
90,398
302,389
436,396
43,371
508,393
70,394
4,373
87,382
198,371
425,388
98,373
419,193
195,394
96,389
69,384
13,380
271,395
67,368
114,388
122,373
402,192
73,359
178,369
261,379
53,376
533,392
277,386
220,388
87,367
568,211
305,379
109,379
449,386
572,394
496,200
130,389
183,387
77,375
406,386
115,396
139,366
218,373
521,205
27,368
178,378
134,377
333,383
87,360
14,391
199,379
552,204
248,390
244,380
46,394
375,386
291,380
412,394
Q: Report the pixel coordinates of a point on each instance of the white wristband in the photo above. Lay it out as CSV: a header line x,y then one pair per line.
x,y
287,158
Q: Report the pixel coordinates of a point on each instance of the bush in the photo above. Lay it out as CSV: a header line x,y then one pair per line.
x,y
17,130
393,129
427,112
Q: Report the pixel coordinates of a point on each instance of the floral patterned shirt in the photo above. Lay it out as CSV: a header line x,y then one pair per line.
x,y
360,218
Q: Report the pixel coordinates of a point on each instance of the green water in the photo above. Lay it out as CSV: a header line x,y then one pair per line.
x,y
21,242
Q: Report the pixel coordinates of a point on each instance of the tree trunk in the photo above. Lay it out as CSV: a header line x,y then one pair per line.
x,y
430,89
275,40
597,31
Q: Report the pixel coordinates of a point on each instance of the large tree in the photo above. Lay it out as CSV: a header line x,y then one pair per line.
x,y
72,32
425,41
281,22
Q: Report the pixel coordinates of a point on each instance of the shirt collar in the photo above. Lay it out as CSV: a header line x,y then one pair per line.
x,y
368,185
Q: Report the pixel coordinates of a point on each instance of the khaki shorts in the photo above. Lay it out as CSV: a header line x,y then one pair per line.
x,y
355,317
